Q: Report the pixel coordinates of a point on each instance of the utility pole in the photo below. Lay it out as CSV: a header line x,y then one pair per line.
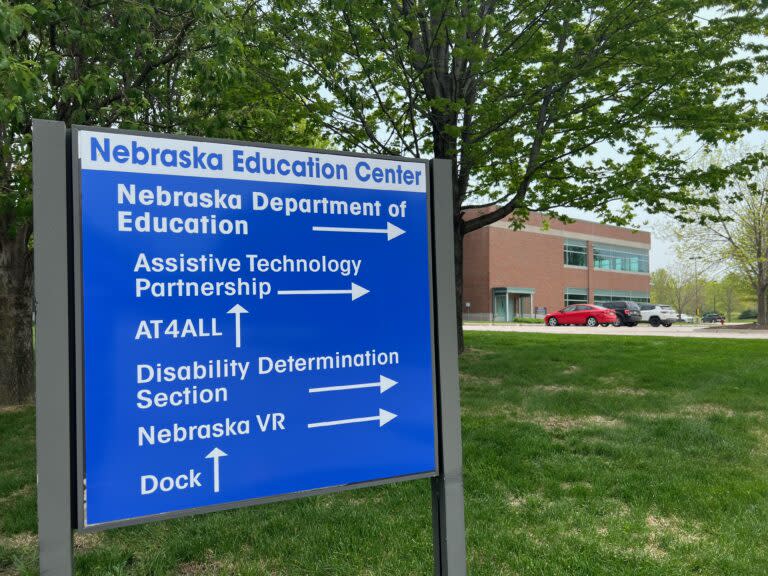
x,y
696,294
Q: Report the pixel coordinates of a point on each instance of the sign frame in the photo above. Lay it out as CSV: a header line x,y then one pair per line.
x,y
60,350
79,343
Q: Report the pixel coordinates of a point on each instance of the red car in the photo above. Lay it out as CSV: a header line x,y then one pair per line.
x,y
582,315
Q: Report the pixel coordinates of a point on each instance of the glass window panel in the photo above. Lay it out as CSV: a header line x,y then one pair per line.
x,y
574,253
620,258
576,296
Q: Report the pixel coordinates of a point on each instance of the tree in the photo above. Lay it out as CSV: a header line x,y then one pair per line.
x,y
540,104
79,63
730,228
674,285
661,287
711,296
731,289
190,66
18,82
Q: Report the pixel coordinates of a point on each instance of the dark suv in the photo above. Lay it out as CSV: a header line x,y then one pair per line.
x,y
627,312
712,317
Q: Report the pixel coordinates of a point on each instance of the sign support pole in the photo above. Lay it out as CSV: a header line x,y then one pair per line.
x,y
448,487
52,347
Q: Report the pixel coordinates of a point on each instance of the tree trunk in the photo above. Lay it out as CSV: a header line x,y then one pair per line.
x,y
762,305
17,363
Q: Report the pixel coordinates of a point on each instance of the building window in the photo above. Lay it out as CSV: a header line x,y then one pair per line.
x,y
633,295
576,296
575,253
620,258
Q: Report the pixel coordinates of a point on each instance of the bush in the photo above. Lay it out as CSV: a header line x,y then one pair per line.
x,y
529,320
748,314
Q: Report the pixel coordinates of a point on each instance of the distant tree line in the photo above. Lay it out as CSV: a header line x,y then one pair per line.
x,y
727,231
697,292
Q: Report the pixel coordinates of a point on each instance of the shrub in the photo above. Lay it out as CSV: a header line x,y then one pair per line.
x,y
748,314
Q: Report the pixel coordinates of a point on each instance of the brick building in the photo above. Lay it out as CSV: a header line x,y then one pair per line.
x,y
522,273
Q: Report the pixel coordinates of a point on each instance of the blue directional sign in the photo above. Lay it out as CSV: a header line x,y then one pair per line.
x,y
255,323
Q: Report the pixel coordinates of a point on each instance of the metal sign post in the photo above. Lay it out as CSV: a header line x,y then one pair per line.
x,y
222,324
53,353
448,487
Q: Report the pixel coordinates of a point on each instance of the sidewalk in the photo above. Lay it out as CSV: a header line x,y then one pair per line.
x,y
678,331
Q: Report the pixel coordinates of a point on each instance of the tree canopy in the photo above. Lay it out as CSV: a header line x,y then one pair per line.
x,y
170,66
541,104
197,66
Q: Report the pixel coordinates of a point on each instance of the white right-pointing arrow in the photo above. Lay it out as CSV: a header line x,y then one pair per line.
x,y
237,310
216,453
355,291
391,230
383,418
383,385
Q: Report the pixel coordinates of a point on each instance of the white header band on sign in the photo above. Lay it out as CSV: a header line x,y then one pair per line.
x,y
149,155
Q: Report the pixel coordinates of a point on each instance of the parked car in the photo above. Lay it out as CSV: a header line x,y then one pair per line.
x,y
658,314
627,312
712,317
685,318
581,315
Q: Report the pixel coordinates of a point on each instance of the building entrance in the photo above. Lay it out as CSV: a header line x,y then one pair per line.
x,y
511,303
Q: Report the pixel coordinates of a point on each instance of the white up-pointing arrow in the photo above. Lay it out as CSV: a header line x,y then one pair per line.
x,y
383,385
237,310
216,454
383,418
355,290
391,230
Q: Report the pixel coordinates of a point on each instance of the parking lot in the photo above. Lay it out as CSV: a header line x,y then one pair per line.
x,y
676,330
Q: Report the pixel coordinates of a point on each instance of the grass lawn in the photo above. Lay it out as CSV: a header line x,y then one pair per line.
x,y
583,454
515,321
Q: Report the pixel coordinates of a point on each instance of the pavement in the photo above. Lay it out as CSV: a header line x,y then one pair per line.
x,y
676,330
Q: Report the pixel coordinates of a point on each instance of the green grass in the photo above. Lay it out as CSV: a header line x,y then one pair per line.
x,y
583,455
515,321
